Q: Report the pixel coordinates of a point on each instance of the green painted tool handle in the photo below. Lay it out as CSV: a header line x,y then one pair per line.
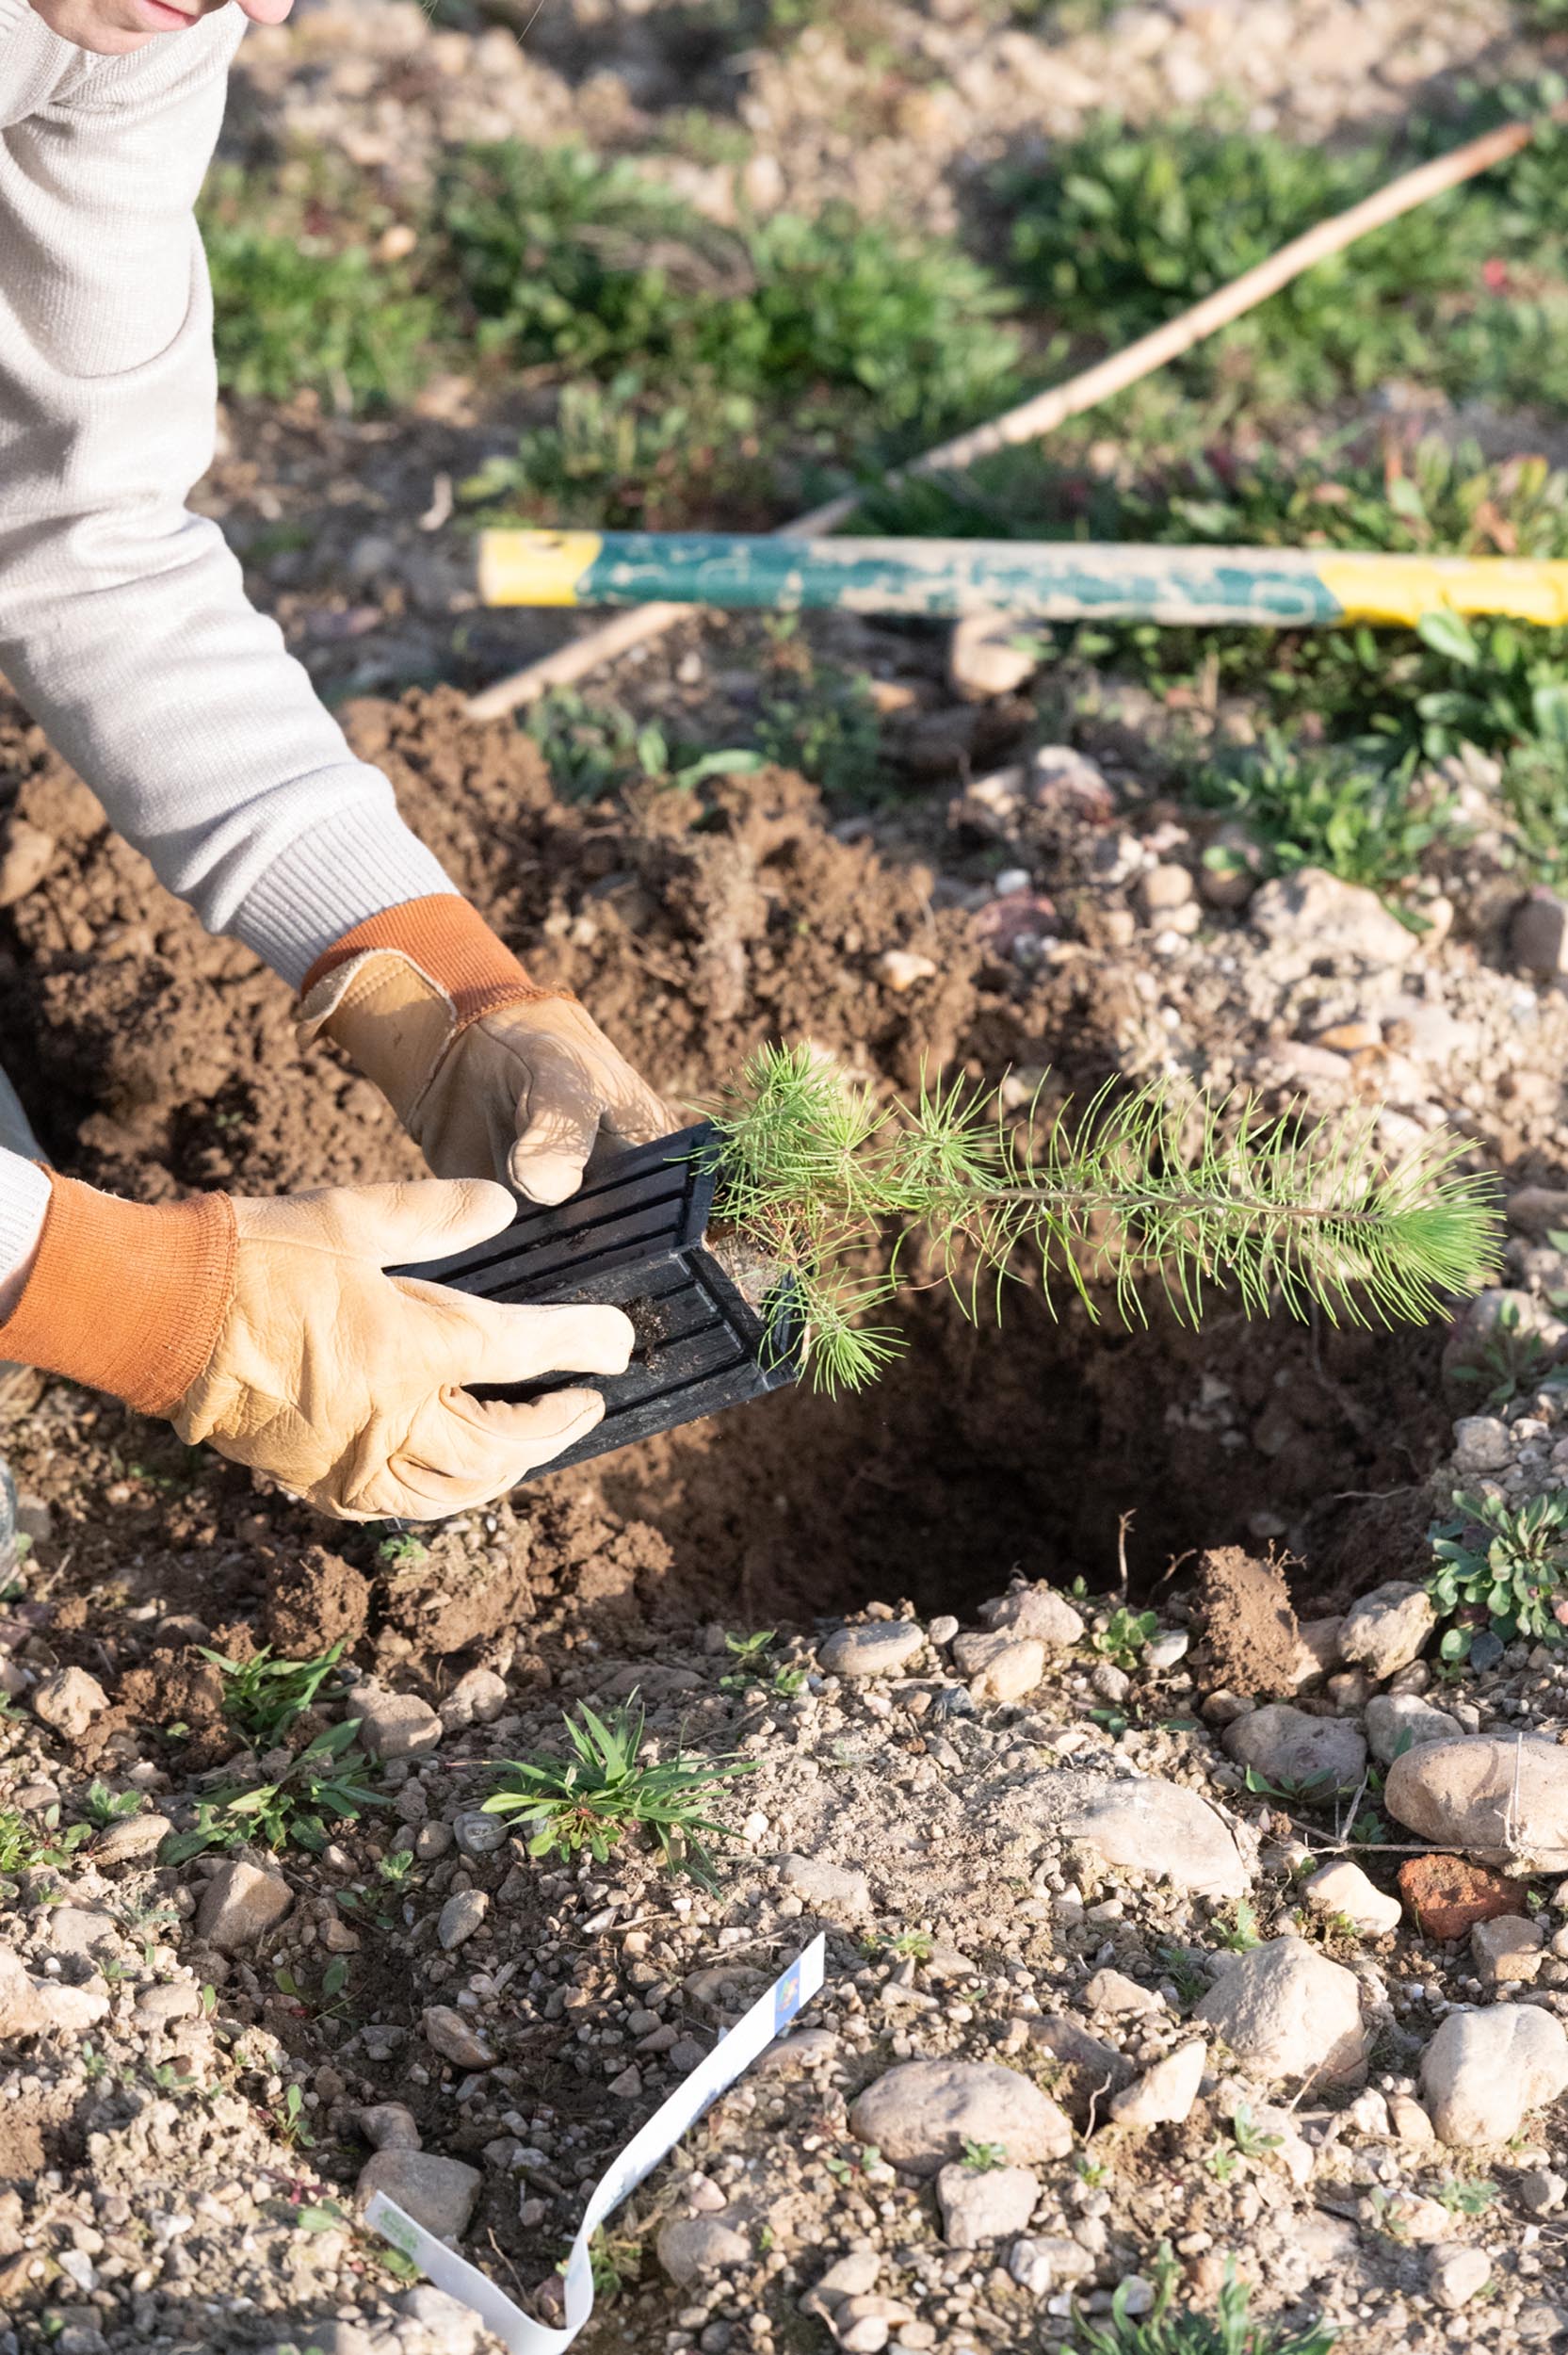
x,y
1051,582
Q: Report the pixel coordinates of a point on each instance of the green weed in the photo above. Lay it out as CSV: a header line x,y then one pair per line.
x,y
1236,1929
983,2158
296,309
103,1807
572,263
264,1695
1170,2330
1335,807
818,719
1124,1636
25,1850
1502,1566
324,1785
624,456
605,1790
1513,1358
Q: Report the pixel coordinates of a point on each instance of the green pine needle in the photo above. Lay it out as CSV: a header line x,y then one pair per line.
x,y
1148,1186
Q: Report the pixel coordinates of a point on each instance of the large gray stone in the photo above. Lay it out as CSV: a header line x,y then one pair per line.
x,y
1396,1722
1293,1749
1286,2011
68,1700
1387,1629
437,2193
1485,2071
923,2113
1501,1800
1164,1829
692,2247
392,1725
1314,914
982,2204
880,1649
239,1904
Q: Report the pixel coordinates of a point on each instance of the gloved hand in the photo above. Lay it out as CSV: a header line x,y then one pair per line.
x,y
490,1074
268,1330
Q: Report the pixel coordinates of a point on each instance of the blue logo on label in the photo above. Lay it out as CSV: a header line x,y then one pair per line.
x,y
786,1997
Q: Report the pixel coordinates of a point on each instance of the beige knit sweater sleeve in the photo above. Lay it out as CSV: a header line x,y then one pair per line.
x,y
123,622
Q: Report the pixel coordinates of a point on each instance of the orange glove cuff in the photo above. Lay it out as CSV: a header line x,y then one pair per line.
x,y
450,943
125,1296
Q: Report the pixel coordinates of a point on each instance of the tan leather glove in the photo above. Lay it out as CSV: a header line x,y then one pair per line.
x,y
490,1074
268,1330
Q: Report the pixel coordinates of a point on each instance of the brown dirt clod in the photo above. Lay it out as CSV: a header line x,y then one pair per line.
x,y
1254,1645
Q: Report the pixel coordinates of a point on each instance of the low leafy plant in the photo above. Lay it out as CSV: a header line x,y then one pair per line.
x,y
1237,1930
325,1784
573,262
298,306
103,1807
812,1173
1501,1567
1513,1358
1340,806
818,719
1465,2195
25,1850
605,1790
1126,1633
1170,2330
983,2158
264,1695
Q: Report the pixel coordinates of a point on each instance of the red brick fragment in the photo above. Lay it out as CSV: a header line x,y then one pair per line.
x,y
1449,1896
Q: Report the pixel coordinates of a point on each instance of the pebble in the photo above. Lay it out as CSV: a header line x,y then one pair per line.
x,y
392,1725
132,1839
982,2204
239,1904
1504,1801
1114,1993
1164,2095
479,1834
1538,933
989,654
475,1699
878,1649
1410,2121
460,1916
447,2031
1481,1444
1165,1652
924,2112
1455,2274
833,1890
690,2248
1286,2011
1150,1825
901,969
1541,2191
67,1702
1000,1667
1396,1722
1387,1629
1316,915
1485,2071
1038,1611
1047,2261
389,2126
1290,1746
1507,1949
1343,1888
439,2193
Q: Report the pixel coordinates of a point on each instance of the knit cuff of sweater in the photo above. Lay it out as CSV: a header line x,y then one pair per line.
x,y
352,866
125,1296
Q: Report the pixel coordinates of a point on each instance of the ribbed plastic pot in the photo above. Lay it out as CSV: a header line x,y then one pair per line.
x,y
633,1238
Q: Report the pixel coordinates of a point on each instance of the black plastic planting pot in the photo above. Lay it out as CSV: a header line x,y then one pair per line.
x,y
634,1237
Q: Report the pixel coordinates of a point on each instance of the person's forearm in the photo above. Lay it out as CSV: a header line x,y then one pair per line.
x,y
23,1201
123,619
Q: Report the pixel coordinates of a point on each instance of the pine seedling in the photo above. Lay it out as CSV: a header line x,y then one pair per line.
x,y
1148,1189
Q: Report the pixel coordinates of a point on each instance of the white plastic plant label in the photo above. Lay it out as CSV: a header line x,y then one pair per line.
x,y
734,2054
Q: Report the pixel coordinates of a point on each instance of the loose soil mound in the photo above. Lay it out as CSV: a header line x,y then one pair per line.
x,y
694,925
